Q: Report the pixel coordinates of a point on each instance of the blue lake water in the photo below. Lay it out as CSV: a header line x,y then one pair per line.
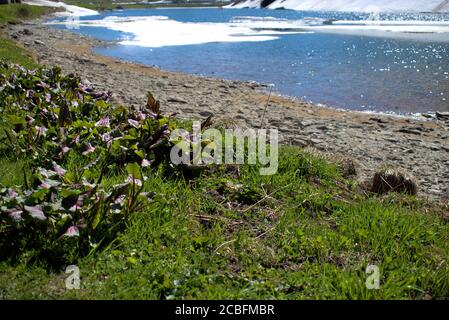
x,y
346,71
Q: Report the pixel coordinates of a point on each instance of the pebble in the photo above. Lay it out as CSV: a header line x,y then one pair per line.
x,y
306,123
176,100
410,130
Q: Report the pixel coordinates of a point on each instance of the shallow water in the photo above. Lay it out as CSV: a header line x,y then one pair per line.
x,y
383,73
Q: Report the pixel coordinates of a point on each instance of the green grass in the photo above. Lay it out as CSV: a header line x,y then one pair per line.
x,y
14,13
11,52
300,234
109,5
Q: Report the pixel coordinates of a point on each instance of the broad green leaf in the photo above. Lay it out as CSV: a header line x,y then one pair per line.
x,y
133,169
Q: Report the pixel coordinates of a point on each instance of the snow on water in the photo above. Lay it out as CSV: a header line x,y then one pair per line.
x,y
146,31
352,6
70,9
418,30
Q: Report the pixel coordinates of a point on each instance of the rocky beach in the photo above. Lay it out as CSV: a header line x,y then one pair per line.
x,y
417,145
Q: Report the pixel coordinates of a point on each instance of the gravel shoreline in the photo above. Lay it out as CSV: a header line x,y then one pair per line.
x,y
421,147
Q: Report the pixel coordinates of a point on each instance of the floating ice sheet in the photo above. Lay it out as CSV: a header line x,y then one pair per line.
x,y
160,31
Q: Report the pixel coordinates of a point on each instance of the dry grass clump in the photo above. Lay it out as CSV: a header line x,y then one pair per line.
x,y
229,123
389,179
347,166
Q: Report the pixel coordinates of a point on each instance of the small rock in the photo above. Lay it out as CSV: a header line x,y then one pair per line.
x,y
306,123
205,113
176,100
433,147
442,115
324,128
39,42
378,120
410,130
356,126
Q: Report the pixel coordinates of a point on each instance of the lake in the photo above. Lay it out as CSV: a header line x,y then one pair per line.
x,y
383,71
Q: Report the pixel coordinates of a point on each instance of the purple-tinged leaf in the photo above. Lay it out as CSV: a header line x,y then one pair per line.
x,y
134,123
46,173
145,163
103,122
133,180
106,137
11,193
59,170
141,116
15,214
79,201
29,120
41,130
36,212
72,231
44,185
48,183
88,148
65,149
120,200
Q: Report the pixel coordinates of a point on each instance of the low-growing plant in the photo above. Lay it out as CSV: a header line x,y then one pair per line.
x,y
73,137
46,115
42,216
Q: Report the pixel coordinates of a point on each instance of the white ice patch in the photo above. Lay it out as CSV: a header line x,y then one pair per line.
x,y
416,30
390,26
411,29
160,31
